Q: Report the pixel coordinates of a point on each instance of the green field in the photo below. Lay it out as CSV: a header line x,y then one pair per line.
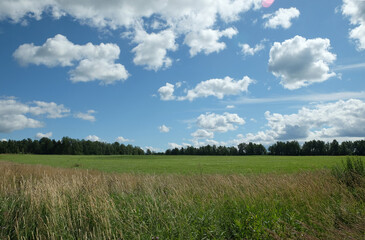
x,y
181,197
182,164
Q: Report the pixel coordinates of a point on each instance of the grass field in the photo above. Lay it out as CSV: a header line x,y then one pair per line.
x,y
39,202
182,164
180,197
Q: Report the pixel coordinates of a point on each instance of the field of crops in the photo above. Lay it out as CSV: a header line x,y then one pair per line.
x,y
182,164
160,197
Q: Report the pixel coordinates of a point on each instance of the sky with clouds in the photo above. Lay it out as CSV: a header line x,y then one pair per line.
x,y
170,73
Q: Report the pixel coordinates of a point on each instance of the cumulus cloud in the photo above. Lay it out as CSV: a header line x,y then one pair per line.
x,y
178,84
96,62
14,114
281,18
207,40
211,142
152,149
18,10
193,20
209,123
250,51
88,116
93,138
105,71
51,109
164,129
300,62
13,122
43,135
174,145
3,140
219,123
340,120
124,13
355,10
202,133
151,50
123,140
167,92
218,88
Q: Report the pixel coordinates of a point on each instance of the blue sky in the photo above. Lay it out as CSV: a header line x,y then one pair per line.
x,y
161,74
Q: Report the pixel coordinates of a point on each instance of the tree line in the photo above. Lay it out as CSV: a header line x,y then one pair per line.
x,y
289,148
69,146
241,149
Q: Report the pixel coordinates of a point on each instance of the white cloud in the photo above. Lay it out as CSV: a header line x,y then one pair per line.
x,y
174,145
300,62
211,142
281,18
202,133
341,119
214,142
13,114
350,66
17,10
230,106
325,97
219,123
176,18
164,129
167,92
93,138
96,62
240,138
152,149
43,135
152,49
207,40
3,140
218,88
103,70
13,122
178,84
123,140
355,10
51,109
88,116
124,13
250,51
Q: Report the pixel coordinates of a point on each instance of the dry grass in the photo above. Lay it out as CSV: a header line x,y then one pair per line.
x,y
38,202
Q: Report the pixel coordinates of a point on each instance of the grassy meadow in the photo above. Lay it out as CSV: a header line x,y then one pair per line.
x,y
211,201
181,164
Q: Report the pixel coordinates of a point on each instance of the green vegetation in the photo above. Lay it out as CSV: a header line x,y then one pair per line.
x,y
351,172
181,164
39,202
69,146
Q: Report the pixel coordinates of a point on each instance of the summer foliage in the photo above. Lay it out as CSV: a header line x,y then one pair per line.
x,y
69,146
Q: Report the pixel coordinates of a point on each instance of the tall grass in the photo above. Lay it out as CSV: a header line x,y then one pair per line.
x,y
38,202
351,172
